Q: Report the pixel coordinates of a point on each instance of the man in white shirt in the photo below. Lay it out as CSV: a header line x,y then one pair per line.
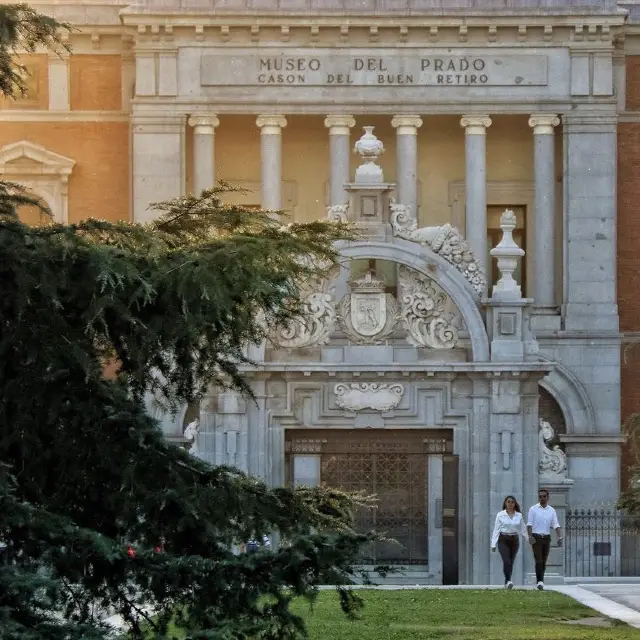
x,y
542,518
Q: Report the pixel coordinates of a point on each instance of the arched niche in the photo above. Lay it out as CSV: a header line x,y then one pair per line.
x,y
572,398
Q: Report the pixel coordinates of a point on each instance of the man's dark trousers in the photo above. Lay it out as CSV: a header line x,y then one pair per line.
x,y
541,553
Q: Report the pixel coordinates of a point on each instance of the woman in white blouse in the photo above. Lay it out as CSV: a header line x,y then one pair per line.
x,y
510,525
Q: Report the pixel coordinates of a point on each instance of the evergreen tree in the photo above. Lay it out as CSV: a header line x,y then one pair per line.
x,y
98,512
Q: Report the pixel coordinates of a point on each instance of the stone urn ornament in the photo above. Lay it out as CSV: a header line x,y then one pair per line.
x,y
370,149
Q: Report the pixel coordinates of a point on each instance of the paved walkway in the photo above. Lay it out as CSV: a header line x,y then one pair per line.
x,y
618,601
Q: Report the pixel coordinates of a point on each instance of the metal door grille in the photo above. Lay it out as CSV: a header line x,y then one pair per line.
x,y
390,464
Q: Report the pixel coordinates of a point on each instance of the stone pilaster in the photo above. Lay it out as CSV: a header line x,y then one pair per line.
x,y
204,131
407,160
590,187
271,158
59,84
476,184
158,166
339,154
544,294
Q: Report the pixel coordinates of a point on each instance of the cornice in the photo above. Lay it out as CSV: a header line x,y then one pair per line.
x,y
363,20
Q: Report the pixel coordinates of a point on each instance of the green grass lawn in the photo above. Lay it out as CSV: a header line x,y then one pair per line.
x,y
459,615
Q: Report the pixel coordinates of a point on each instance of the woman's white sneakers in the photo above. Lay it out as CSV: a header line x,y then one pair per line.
x,y
540,586
509,585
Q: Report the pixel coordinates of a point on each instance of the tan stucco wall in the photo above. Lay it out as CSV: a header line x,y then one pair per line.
x,y
99,182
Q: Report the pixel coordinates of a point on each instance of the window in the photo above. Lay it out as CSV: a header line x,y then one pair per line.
x,y
43,172
494,235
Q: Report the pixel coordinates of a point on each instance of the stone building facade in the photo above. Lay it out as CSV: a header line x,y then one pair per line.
x,y
422,370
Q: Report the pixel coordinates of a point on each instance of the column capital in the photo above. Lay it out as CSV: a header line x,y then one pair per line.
x,y
475,124
271,124
339,125
406,125
204,123
543,123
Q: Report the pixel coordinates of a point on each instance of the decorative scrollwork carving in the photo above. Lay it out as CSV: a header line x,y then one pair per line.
x,y
338,212
445,240
314,326
423,312
368,395
317,320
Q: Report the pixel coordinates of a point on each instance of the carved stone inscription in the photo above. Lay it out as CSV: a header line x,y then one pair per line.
x,y
418,67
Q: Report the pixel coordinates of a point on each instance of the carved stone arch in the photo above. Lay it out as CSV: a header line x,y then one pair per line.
x,y
572,398
43,172
423,260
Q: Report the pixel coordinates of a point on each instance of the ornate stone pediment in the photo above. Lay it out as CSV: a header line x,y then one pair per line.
x,y
368,395
445,240
367,314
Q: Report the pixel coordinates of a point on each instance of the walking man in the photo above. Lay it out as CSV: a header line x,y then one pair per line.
x,y
542,518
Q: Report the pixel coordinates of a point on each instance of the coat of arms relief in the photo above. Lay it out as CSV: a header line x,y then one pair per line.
x,y
369,314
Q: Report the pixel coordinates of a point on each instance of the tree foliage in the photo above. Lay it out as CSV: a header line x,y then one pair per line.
x,y
629,500
84,471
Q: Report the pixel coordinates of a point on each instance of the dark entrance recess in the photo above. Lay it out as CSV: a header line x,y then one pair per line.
x,y
391,464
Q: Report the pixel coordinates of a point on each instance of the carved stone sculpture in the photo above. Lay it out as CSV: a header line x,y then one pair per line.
x,y
445,240
338,212
553,461
314,325
191,433
367,314
368,395
423,312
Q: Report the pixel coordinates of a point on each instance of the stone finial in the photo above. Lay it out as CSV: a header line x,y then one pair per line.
x,y
370,148
508,255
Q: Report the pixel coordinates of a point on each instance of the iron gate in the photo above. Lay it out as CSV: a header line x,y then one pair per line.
x,y
601,543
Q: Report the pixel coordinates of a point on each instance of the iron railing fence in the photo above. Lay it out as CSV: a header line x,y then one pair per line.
x,y
601,543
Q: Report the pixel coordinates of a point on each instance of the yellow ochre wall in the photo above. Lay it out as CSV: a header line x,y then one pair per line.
x,y
99,185
305,151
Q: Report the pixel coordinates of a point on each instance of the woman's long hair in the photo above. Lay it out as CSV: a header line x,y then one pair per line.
x,y
517,506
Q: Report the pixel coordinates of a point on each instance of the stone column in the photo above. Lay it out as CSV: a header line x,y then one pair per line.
x,y
158,161
407,160
476,184
544,209
204,131
339,154
271,157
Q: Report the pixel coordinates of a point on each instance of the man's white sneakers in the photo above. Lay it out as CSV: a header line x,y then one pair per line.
x,y
509,585
540,586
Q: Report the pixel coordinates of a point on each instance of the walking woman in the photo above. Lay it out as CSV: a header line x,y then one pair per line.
x,y
509,527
